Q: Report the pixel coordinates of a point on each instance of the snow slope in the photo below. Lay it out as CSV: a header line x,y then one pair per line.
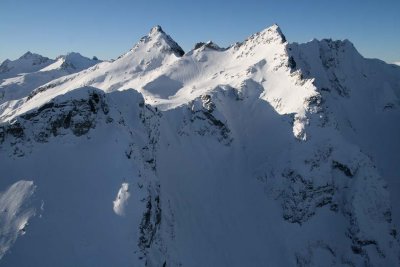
x,y
262,153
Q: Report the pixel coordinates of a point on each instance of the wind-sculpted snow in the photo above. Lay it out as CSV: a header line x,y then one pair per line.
x,y
263,153
15,211
121,201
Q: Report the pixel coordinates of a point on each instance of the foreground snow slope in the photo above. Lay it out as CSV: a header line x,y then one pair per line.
x,y
263,153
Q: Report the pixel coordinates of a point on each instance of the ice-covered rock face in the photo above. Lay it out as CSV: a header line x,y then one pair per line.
x,y
258,153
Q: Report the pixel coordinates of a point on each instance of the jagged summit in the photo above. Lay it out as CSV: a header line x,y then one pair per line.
x,y
209,44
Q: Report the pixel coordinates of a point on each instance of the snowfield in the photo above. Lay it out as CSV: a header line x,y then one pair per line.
x,y
264,153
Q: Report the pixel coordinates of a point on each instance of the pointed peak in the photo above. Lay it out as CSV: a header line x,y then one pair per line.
x,y
5,62
275,30
272,34
155,30
158,39
26,55
30,55
275,27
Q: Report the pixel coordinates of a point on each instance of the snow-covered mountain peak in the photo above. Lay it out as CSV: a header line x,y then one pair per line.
x,y
71,62
28,62
36,59
26,55
156,30
270,34
158,40
29,54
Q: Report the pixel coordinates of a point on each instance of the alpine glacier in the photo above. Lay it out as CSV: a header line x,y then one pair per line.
x,y
265,153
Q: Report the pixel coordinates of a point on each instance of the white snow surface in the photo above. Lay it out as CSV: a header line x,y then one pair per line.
x,y
263,153
16,210
29,62
121,200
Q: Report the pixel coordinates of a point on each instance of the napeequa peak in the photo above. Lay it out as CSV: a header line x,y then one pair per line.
x,y
158,39
156,30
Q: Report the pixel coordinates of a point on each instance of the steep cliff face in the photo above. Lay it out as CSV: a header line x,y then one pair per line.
x,y
261,153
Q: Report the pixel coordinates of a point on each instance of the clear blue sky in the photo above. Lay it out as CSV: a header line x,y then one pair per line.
x,y
108,28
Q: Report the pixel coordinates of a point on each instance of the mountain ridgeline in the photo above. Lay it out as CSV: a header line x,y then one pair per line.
x,y
264,153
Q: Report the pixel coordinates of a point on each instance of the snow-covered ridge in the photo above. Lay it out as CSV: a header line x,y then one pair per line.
x,y
216,157
29,62
71,62
15,88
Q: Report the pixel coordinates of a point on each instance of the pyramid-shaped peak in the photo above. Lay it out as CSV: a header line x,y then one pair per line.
x,y
158,38
27,55
156,29
30,55
274,27
275,30
272,33
5,62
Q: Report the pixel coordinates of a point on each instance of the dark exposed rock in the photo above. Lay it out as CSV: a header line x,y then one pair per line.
x,y
302,197
315,100
16,130
204,122
292,63
53,118
150,223
343,168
